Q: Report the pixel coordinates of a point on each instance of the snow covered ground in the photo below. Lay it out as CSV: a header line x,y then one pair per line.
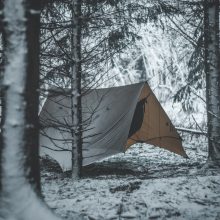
x,y
144,183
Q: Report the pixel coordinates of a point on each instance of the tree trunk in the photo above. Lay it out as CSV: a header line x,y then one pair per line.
x,y
18,197
31,88
32,93
76,112
1,77
212,70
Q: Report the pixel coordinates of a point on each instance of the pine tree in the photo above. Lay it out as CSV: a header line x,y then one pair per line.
x,y
76,110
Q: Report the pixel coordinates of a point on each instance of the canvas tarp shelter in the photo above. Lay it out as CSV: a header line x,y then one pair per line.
x,y
113,120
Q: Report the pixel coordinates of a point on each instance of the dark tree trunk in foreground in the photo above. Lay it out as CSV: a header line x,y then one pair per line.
x,y
19,200
212,69
1,77
31,88
31,93
75,75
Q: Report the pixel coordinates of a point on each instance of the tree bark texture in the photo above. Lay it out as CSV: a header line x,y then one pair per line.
x,y
32,92
1,77
212,70
31,35
76,111
19,200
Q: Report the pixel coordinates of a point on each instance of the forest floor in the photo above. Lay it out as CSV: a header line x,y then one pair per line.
x,y
144,183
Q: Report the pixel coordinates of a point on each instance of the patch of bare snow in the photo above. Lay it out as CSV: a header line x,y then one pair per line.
x,y
144,183
166,198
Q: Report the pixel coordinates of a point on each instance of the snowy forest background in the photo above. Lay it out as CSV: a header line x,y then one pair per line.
x,y
152,41
96,44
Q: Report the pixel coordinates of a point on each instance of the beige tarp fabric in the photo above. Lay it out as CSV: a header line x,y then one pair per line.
x,y
113,119
156,128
